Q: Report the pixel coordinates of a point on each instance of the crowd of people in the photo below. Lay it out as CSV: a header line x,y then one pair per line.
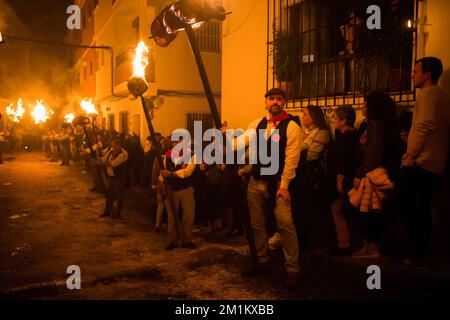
x,y
385,166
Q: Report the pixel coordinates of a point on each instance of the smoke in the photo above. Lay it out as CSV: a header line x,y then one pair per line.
x,y
5,11
33,71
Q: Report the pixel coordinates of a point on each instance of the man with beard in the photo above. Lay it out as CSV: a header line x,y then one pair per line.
x,y
272,190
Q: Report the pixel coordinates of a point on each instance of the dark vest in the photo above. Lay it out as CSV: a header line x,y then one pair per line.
x,y
176,183
121,170
282,129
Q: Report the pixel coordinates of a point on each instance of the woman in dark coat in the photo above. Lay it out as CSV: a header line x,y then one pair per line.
x,y
379,147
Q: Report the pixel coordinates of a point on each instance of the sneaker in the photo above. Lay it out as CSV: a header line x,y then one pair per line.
x,y
292,280
340,252
275,241
255,270
171,246
189,245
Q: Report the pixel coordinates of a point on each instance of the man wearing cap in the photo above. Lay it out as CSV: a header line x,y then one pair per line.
x,y
177,172
115,161
272,190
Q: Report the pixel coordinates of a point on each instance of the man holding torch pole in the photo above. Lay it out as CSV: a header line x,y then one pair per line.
x,y
115,163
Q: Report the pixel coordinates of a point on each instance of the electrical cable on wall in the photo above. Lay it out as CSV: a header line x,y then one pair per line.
x,y
243,21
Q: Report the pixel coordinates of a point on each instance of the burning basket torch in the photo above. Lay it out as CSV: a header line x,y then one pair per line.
x,y
69,118
137,86
41,115
15,115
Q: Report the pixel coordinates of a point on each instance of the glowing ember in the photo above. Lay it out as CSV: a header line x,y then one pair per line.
x,y
69,117
15,115
88,106
140,61
40,113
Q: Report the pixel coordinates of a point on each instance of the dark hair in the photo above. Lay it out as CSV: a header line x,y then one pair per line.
x,y
317,116
117,141
275,92
381,107
346,113
432,65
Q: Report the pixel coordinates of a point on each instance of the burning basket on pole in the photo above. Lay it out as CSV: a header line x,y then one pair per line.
x,y
41,115
137,86
15,115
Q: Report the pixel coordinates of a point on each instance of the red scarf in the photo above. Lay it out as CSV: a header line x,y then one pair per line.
x,y
277,119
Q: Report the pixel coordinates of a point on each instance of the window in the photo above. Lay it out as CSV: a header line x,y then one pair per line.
x,y
322,49
84,73
123,122
209,37
112,122
205,118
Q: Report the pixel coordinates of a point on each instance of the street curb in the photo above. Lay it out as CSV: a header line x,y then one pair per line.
x,y
59,286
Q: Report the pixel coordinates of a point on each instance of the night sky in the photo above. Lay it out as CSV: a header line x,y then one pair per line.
x,y
46,19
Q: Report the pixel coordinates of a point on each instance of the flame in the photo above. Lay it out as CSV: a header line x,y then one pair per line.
x,y
15,115
69,117
140,61
88,106
40,113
